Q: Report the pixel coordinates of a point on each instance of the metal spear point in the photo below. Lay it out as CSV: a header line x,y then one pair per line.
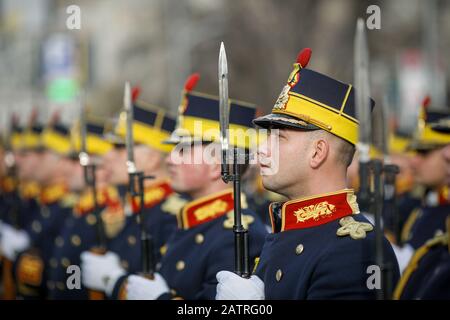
x,y
362,92
83,155
224,110
127,103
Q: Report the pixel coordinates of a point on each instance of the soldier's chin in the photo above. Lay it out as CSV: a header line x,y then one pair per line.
x,y
269,183
266,171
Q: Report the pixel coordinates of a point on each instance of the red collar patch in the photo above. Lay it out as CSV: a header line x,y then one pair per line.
x,y
444,196
153,195
206,209
316,210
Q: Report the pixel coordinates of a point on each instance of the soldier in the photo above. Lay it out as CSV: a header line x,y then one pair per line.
x,y
55,204
320,247
426,276
14,237
443,126
78,232
429,146
150,127
203,242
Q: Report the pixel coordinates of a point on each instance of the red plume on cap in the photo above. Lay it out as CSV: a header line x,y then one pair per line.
x,y
191,82
304,56
426,102
135,93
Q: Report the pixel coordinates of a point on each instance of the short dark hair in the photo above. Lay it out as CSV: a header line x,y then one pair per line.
x,y
345,152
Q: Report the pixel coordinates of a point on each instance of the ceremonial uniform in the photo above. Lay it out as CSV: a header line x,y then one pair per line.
x,y
430,218
55,204
204,244
79,233
427,275
161,207
79,230
150,126
320,246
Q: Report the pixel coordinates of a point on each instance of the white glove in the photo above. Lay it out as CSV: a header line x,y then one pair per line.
x,y
140,288
403,255
233,287
13,241
100,272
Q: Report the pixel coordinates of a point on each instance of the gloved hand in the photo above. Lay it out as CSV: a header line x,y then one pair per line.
x,y
140,288
233,287
13,241
100,272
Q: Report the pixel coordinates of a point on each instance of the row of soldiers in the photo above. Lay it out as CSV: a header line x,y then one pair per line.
x,y
307,237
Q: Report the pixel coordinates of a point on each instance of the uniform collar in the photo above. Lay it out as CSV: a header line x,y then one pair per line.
x,y
435,197
108,196
29,190
312,211
206,209
53,193
8,184
153,195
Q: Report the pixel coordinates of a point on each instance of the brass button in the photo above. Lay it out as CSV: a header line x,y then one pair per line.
x,y
45,212
65,262
279,275
59,241
53,263
124,264
131,240
60,286
163,250
91,220
199,238
50,285
76,240
299,249
173,292
36,225
180,265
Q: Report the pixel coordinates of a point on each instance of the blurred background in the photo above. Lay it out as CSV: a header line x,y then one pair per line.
x,y
156,44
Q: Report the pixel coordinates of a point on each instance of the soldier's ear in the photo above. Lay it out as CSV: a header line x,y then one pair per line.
x,y
320,151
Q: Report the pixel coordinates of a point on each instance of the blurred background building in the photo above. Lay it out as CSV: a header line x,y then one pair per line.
x,y
156,44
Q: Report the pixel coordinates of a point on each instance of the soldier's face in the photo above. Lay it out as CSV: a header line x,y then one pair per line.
x,y
189,176
429,168
29,165
293,166
114,164
48,167
147,159
76,177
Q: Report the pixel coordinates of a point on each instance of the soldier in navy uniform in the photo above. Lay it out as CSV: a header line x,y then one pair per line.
x,y
320,246
203,242
150,128
430,217
427,275
55,203
14,236
78,232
